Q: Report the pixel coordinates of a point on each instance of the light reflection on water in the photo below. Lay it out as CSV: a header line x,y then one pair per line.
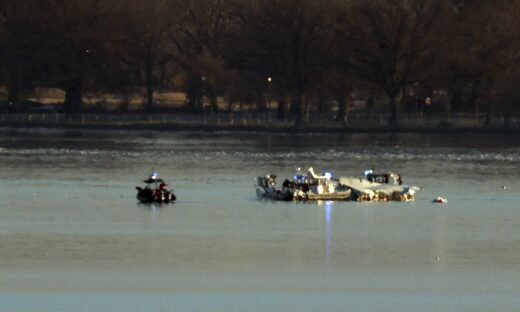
x,y
328,218
328,207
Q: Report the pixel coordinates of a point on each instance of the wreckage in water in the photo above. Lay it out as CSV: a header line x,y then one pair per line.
x,y
309,186
379,187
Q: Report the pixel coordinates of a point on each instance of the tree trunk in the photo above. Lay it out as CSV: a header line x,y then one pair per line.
x,y
370,108
301,117
396,95
73,98
13,100
194,100
149,83
321,102
149,96
15,90
283,107
342,109
394,108
280,109
488,115
195,91
489,108
261,104
212,101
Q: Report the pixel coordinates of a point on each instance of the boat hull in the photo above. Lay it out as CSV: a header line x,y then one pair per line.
x,y
345,195
151,196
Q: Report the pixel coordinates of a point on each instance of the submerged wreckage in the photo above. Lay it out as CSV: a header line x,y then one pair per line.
x,y
310,186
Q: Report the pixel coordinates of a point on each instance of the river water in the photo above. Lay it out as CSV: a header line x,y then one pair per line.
x,y
73,237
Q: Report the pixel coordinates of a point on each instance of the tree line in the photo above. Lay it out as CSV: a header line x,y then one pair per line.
x,y
302,53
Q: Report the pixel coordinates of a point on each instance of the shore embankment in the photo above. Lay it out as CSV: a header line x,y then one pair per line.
x,y
262,122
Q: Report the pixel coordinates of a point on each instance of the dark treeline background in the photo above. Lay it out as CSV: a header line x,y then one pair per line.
x,y
301,54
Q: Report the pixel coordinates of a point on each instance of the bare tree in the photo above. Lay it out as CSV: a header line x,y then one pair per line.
x,y
19,44
147,26
200,40
283,39
76,37
489,52
391,43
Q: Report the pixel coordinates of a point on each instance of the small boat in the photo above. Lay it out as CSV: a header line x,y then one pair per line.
x,y
155,191
266,188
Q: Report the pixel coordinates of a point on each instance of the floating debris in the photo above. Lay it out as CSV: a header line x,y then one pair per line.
x,y
440,200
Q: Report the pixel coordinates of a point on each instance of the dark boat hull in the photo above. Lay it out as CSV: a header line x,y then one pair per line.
x,y
274,194
151,196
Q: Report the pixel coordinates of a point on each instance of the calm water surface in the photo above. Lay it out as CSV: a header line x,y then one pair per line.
x,y
73,238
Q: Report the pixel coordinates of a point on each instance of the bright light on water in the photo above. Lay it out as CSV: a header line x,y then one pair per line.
x,y
328,218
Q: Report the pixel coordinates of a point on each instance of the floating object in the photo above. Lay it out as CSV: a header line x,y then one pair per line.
x,y
504,187
440,200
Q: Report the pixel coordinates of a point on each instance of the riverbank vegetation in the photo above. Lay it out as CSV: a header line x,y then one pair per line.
x,y
297,58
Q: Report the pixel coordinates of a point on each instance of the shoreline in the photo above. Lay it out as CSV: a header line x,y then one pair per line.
x,y
266,122
259,128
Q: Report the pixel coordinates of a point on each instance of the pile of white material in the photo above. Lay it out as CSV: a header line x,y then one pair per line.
x,y
365,190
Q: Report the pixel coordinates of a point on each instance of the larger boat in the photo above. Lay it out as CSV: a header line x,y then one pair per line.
x,y
308,186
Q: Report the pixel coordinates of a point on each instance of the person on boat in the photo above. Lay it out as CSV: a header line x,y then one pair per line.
x,y
163,186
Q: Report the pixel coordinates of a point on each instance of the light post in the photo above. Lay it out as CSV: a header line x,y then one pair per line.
x,y
268,94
